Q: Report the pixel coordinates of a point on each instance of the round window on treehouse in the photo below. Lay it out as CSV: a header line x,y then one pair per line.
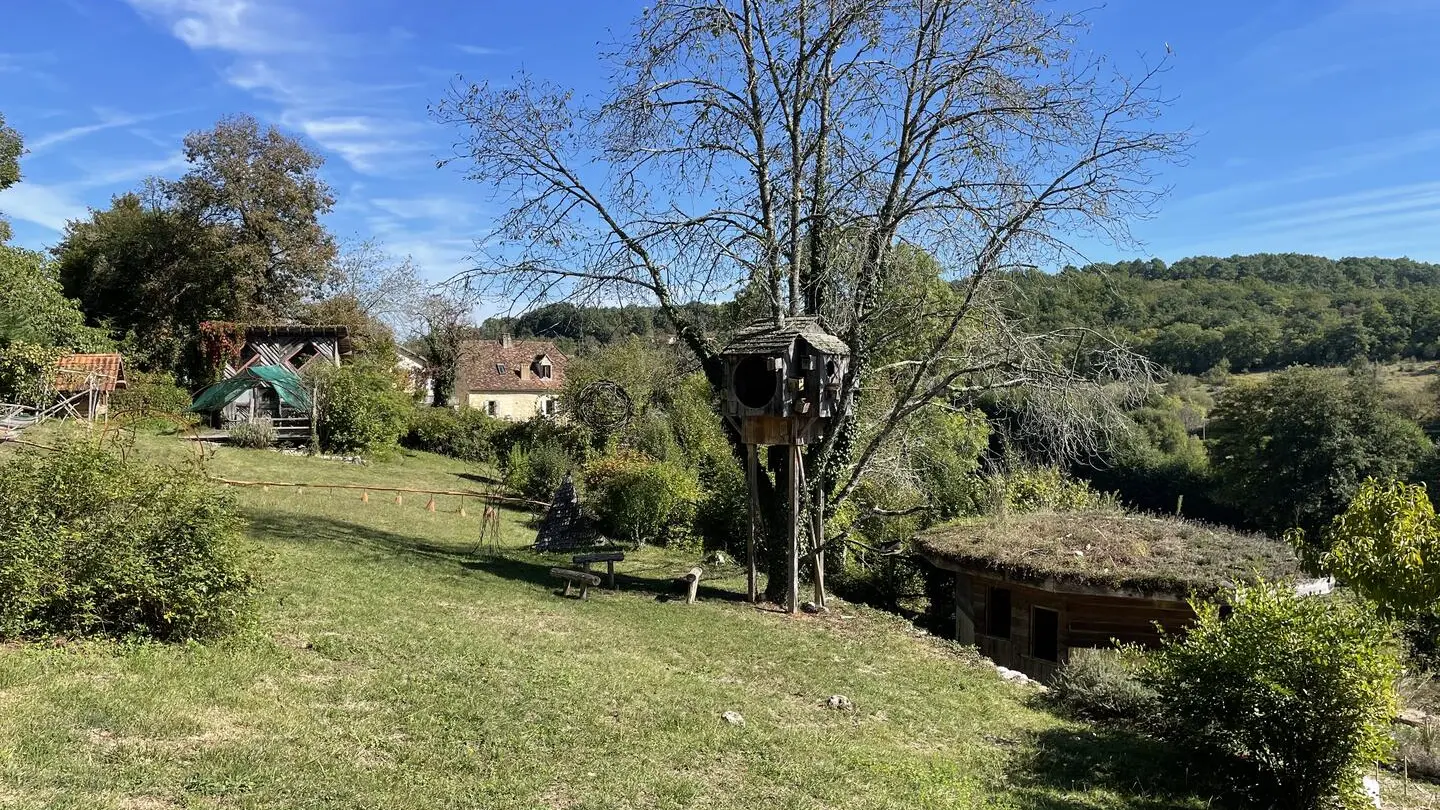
x,y
754,383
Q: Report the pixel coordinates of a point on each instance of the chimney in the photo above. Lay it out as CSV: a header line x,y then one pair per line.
x,y
506,341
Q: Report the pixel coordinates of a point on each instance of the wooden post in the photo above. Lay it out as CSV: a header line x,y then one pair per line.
x,y
365,496
818,528
792,574
430,507
752,478
692,577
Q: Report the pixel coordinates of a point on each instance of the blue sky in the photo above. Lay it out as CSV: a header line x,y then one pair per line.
x,y
1317,122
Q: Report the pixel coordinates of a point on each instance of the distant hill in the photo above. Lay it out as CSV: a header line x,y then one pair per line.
x,y
1257,312
1250,313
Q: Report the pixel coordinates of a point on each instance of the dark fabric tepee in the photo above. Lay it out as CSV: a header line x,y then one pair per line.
x,y
566,526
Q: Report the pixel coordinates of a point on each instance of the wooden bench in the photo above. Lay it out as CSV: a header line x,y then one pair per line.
x,y
584,578
607,557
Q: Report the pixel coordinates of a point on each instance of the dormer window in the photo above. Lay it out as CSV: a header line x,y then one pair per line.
x,y
499,368
542,367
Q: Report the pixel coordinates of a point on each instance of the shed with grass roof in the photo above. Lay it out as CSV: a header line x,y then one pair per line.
x,y
1029,588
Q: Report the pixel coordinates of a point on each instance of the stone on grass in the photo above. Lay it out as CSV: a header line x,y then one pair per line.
x,y
811,607
733,718
839,703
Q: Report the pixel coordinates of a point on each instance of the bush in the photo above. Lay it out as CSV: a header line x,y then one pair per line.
x,y
25,368
1385,545
536,472
1104,686
464,434
96,545
257,435
642,500
360,410
153,392
1291,698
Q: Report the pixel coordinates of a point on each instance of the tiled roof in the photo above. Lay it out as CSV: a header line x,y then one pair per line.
x,y
488,365
764,337
74,372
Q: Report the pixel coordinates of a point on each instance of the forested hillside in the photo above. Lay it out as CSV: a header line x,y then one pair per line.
x,y
1264,311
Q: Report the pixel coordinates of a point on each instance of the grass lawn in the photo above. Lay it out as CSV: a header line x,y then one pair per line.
x,y
391,668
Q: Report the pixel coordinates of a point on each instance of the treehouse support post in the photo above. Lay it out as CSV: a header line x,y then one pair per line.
x,y
752,480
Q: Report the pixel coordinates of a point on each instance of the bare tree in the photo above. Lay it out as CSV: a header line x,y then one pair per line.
x,y
796,149
382,285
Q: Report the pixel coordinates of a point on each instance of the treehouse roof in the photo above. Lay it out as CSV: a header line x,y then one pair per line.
x,y
285,382
764,337
1137,553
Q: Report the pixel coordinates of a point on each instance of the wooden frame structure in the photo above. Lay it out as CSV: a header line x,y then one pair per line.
x,y
783,382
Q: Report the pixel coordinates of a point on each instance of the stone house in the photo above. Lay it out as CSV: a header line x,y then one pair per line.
x,y
510,379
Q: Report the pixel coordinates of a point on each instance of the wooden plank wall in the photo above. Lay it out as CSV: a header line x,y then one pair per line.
x,y
1086,620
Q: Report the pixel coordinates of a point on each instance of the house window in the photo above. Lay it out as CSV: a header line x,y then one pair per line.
x,y
545,371
500,368
491,407
1045,634
549,407
997,613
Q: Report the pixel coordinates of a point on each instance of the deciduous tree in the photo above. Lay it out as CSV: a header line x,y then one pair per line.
x,y
261,192
792,148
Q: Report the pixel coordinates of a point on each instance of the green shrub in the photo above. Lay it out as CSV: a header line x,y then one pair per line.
x,y
1385,545
642,500
96,545
1290,698
152,392
536,472
1034,489
1104,686
25,370
465,434
722,514
361,409
548,465
257,435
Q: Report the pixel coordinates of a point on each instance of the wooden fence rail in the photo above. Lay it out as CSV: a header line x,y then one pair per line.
x,y
456,492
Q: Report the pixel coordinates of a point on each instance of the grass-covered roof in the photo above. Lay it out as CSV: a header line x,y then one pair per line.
x,y
1111,550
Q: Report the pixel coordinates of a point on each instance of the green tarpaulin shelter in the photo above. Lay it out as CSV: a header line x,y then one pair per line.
x,y
284,382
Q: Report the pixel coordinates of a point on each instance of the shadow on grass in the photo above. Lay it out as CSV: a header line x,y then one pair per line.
x,y
513,564
1062,768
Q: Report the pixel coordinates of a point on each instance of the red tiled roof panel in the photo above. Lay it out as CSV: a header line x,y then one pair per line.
x,y
487,365
75,370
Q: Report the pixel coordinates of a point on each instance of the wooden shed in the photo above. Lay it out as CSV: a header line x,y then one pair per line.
x,y
88,380
1030,588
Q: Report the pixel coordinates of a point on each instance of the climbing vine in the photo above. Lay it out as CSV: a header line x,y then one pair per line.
x,y
220,342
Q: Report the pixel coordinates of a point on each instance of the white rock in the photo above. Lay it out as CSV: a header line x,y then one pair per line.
x,y
839,703
1372,789
733,718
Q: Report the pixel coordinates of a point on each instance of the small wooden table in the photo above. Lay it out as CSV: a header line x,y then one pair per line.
x,y
607,557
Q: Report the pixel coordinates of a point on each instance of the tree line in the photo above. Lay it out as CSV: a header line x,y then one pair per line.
x,y
1245,313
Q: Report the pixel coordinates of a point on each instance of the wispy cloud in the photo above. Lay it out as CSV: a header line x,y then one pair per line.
x,y
275,62
1324,164
483,50
51,205
47,206
237,26
108,120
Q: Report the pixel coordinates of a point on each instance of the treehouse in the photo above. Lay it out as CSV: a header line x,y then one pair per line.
x,y
783,381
